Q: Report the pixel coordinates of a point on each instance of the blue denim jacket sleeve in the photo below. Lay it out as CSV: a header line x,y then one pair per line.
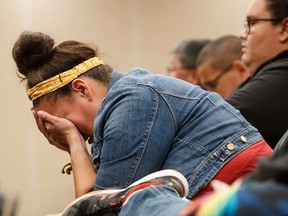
x,y
126,136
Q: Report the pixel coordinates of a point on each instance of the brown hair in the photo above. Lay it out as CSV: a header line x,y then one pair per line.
x,y
37,60
188,50
221,52
277,8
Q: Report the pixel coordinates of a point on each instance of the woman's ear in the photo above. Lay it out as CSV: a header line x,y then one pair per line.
x,y
81,87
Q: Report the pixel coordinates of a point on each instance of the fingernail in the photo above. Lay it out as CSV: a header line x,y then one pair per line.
x,y
39,113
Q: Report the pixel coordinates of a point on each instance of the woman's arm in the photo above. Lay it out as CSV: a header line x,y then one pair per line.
x,y
63,134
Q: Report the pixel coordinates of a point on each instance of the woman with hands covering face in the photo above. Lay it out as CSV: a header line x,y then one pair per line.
x,y
137,123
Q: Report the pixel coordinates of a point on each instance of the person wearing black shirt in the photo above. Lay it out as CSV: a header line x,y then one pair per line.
x,y
262,99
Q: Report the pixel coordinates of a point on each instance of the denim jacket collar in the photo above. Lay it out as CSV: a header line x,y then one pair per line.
x,y
115,76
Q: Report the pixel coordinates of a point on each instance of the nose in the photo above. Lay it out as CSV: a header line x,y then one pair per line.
x,y
243,34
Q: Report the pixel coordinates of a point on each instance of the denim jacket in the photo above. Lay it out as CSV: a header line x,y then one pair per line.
x,y
149,122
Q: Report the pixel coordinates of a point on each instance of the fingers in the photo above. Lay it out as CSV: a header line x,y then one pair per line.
x,y
53,142
49,127
40,123
45,122
35,115
46,117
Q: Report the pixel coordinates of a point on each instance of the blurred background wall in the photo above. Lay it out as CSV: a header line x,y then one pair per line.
x,y
129,32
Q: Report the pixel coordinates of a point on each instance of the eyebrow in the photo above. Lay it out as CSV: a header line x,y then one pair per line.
x,y
251,17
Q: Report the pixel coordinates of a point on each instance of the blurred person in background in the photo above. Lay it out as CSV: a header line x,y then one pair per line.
x,y
183,60
219,66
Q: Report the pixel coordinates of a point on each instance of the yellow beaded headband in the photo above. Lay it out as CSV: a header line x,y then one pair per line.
x,y
62,79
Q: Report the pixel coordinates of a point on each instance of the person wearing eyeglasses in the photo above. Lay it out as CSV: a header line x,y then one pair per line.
x,y
263,98
183,60
219,66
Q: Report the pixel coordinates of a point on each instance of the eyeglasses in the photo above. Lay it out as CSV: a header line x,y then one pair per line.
x,y
250,22
214,83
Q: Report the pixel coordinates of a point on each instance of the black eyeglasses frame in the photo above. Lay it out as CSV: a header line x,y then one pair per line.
x,y
248,22
209,85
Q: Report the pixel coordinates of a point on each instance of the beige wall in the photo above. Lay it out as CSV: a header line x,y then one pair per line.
x,y
131,33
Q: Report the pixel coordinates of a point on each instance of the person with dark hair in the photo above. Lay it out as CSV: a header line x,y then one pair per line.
x,y
137,122
183,60
265,52
219,65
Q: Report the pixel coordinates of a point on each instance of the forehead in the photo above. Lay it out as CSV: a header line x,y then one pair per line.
x,y
175,59
257,8
57,107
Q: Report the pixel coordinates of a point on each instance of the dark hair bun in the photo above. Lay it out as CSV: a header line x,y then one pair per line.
x,y
32,50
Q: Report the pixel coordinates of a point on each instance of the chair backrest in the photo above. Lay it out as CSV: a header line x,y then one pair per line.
x,y
2,201
281,147
275,166
8,205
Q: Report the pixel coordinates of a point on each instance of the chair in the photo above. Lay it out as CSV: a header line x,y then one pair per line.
x,y
281,147
275,166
